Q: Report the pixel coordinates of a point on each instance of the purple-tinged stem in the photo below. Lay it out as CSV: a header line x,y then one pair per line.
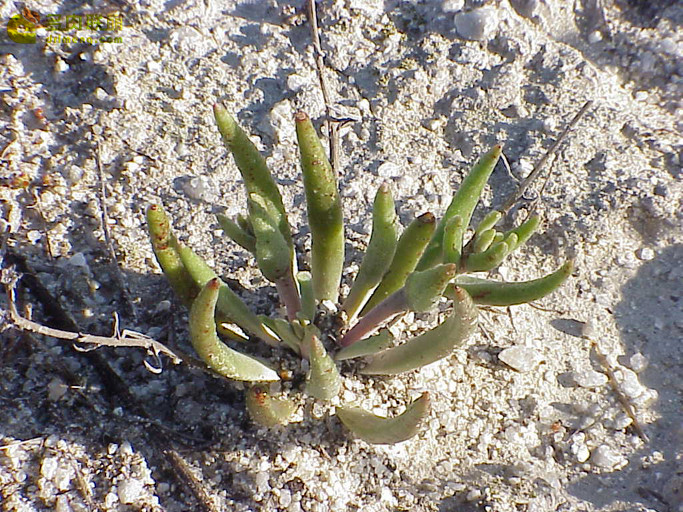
x,y
390,306
289,295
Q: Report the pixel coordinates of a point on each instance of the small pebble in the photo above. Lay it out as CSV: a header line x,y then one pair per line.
x,y
296,82
101,94
638,362
163,306
48,467
595,37
473,495
526,8
62,477
261,481
60,65
33,236
431,124
581,452
62,504
78,260
388,170
590,379
196,188
111,499
285,498
56,389
549,124
645,254
661,190
622,421
477,25
515,111
640,96
181,149
452,5
522,359
605,457
630,385
522,168
588,329
130,491
126,448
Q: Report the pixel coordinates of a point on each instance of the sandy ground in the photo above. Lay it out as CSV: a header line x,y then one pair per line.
x,y
425,102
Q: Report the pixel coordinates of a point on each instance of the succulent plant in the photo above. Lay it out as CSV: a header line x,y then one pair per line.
x,y
410,272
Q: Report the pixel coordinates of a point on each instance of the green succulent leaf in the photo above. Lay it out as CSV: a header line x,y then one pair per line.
x,y
324,209
165,247
490,258
307,295
424,288
381,430
267,410
253,168
483,240
244,222
229,304
495,293
284,331
452,239
213,351
367,346
421,291
323,380
273,254
379,254
409,248
237,234
431,345
525,230
488,222
463,204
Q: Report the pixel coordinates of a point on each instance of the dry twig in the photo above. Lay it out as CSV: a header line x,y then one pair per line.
x,y
538,168
190,480
625,404
125,338
330,122
102,196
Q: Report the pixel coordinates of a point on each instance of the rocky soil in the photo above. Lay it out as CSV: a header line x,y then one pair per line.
x,y
524,417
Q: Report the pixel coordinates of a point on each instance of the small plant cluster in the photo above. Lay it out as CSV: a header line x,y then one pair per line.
x,y
400,272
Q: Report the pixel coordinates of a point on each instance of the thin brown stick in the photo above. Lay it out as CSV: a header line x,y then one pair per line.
x,y
538,168
102,196
194,485
625,404
81,484
617,392
14,444
125,338
43,221
330,124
